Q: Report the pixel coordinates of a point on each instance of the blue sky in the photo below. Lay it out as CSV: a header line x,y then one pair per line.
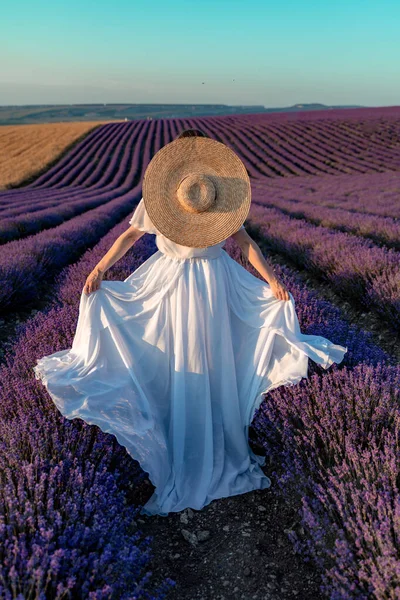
x,y
246,52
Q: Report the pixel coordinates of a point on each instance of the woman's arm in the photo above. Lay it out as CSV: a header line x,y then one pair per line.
x,y
117,250
253,253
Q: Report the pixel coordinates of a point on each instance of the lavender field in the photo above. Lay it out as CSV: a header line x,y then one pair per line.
x,y
326,203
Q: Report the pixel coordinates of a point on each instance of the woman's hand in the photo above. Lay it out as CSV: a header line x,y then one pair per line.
x,y
93,281
279,290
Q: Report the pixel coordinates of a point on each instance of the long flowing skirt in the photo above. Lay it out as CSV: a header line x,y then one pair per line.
x,y
174,361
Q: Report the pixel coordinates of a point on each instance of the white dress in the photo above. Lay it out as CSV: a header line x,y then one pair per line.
x,y
174,360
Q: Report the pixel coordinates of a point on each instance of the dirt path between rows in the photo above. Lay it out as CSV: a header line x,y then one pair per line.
x,y
234,548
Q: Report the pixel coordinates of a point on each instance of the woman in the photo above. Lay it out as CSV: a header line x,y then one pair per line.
x,y
175,359
248,246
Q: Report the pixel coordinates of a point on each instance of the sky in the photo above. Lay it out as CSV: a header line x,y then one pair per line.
x,y
247,52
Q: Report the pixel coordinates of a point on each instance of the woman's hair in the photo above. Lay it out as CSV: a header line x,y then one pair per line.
x,y
191,133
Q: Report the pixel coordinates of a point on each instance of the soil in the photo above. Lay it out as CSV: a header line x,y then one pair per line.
x,y
234,548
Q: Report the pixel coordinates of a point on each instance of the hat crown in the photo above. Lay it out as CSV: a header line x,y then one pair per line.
x,y
196,192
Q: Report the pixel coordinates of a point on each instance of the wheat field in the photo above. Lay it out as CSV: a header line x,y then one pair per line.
x,y
26,150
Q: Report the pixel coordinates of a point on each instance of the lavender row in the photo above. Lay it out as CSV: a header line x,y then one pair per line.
x,y
276,148
103,167
64,172
259,167
259,162
341,142
70,528
370,193
342,150
334,441
373,142
382,230
262,162
267,158
48,218
116,167
305,143
27,265
285,161
358,270
205,125
280,141
327,434
320,149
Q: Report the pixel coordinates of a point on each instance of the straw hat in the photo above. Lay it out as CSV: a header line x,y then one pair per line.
x,y
196,191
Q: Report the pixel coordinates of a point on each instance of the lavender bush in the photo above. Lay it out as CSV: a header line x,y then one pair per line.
x,y
358,270
333,442
69,529
382,230
336,441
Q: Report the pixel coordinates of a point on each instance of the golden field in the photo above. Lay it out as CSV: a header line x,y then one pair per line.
x,y
27,150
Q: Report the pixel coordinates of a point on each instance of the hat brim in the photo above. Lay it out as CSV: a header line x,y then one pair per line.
x,y
183,157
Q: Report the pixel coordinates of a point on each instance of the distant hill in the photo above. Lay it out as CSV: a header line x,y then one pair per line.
x,y
314,107
51,113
